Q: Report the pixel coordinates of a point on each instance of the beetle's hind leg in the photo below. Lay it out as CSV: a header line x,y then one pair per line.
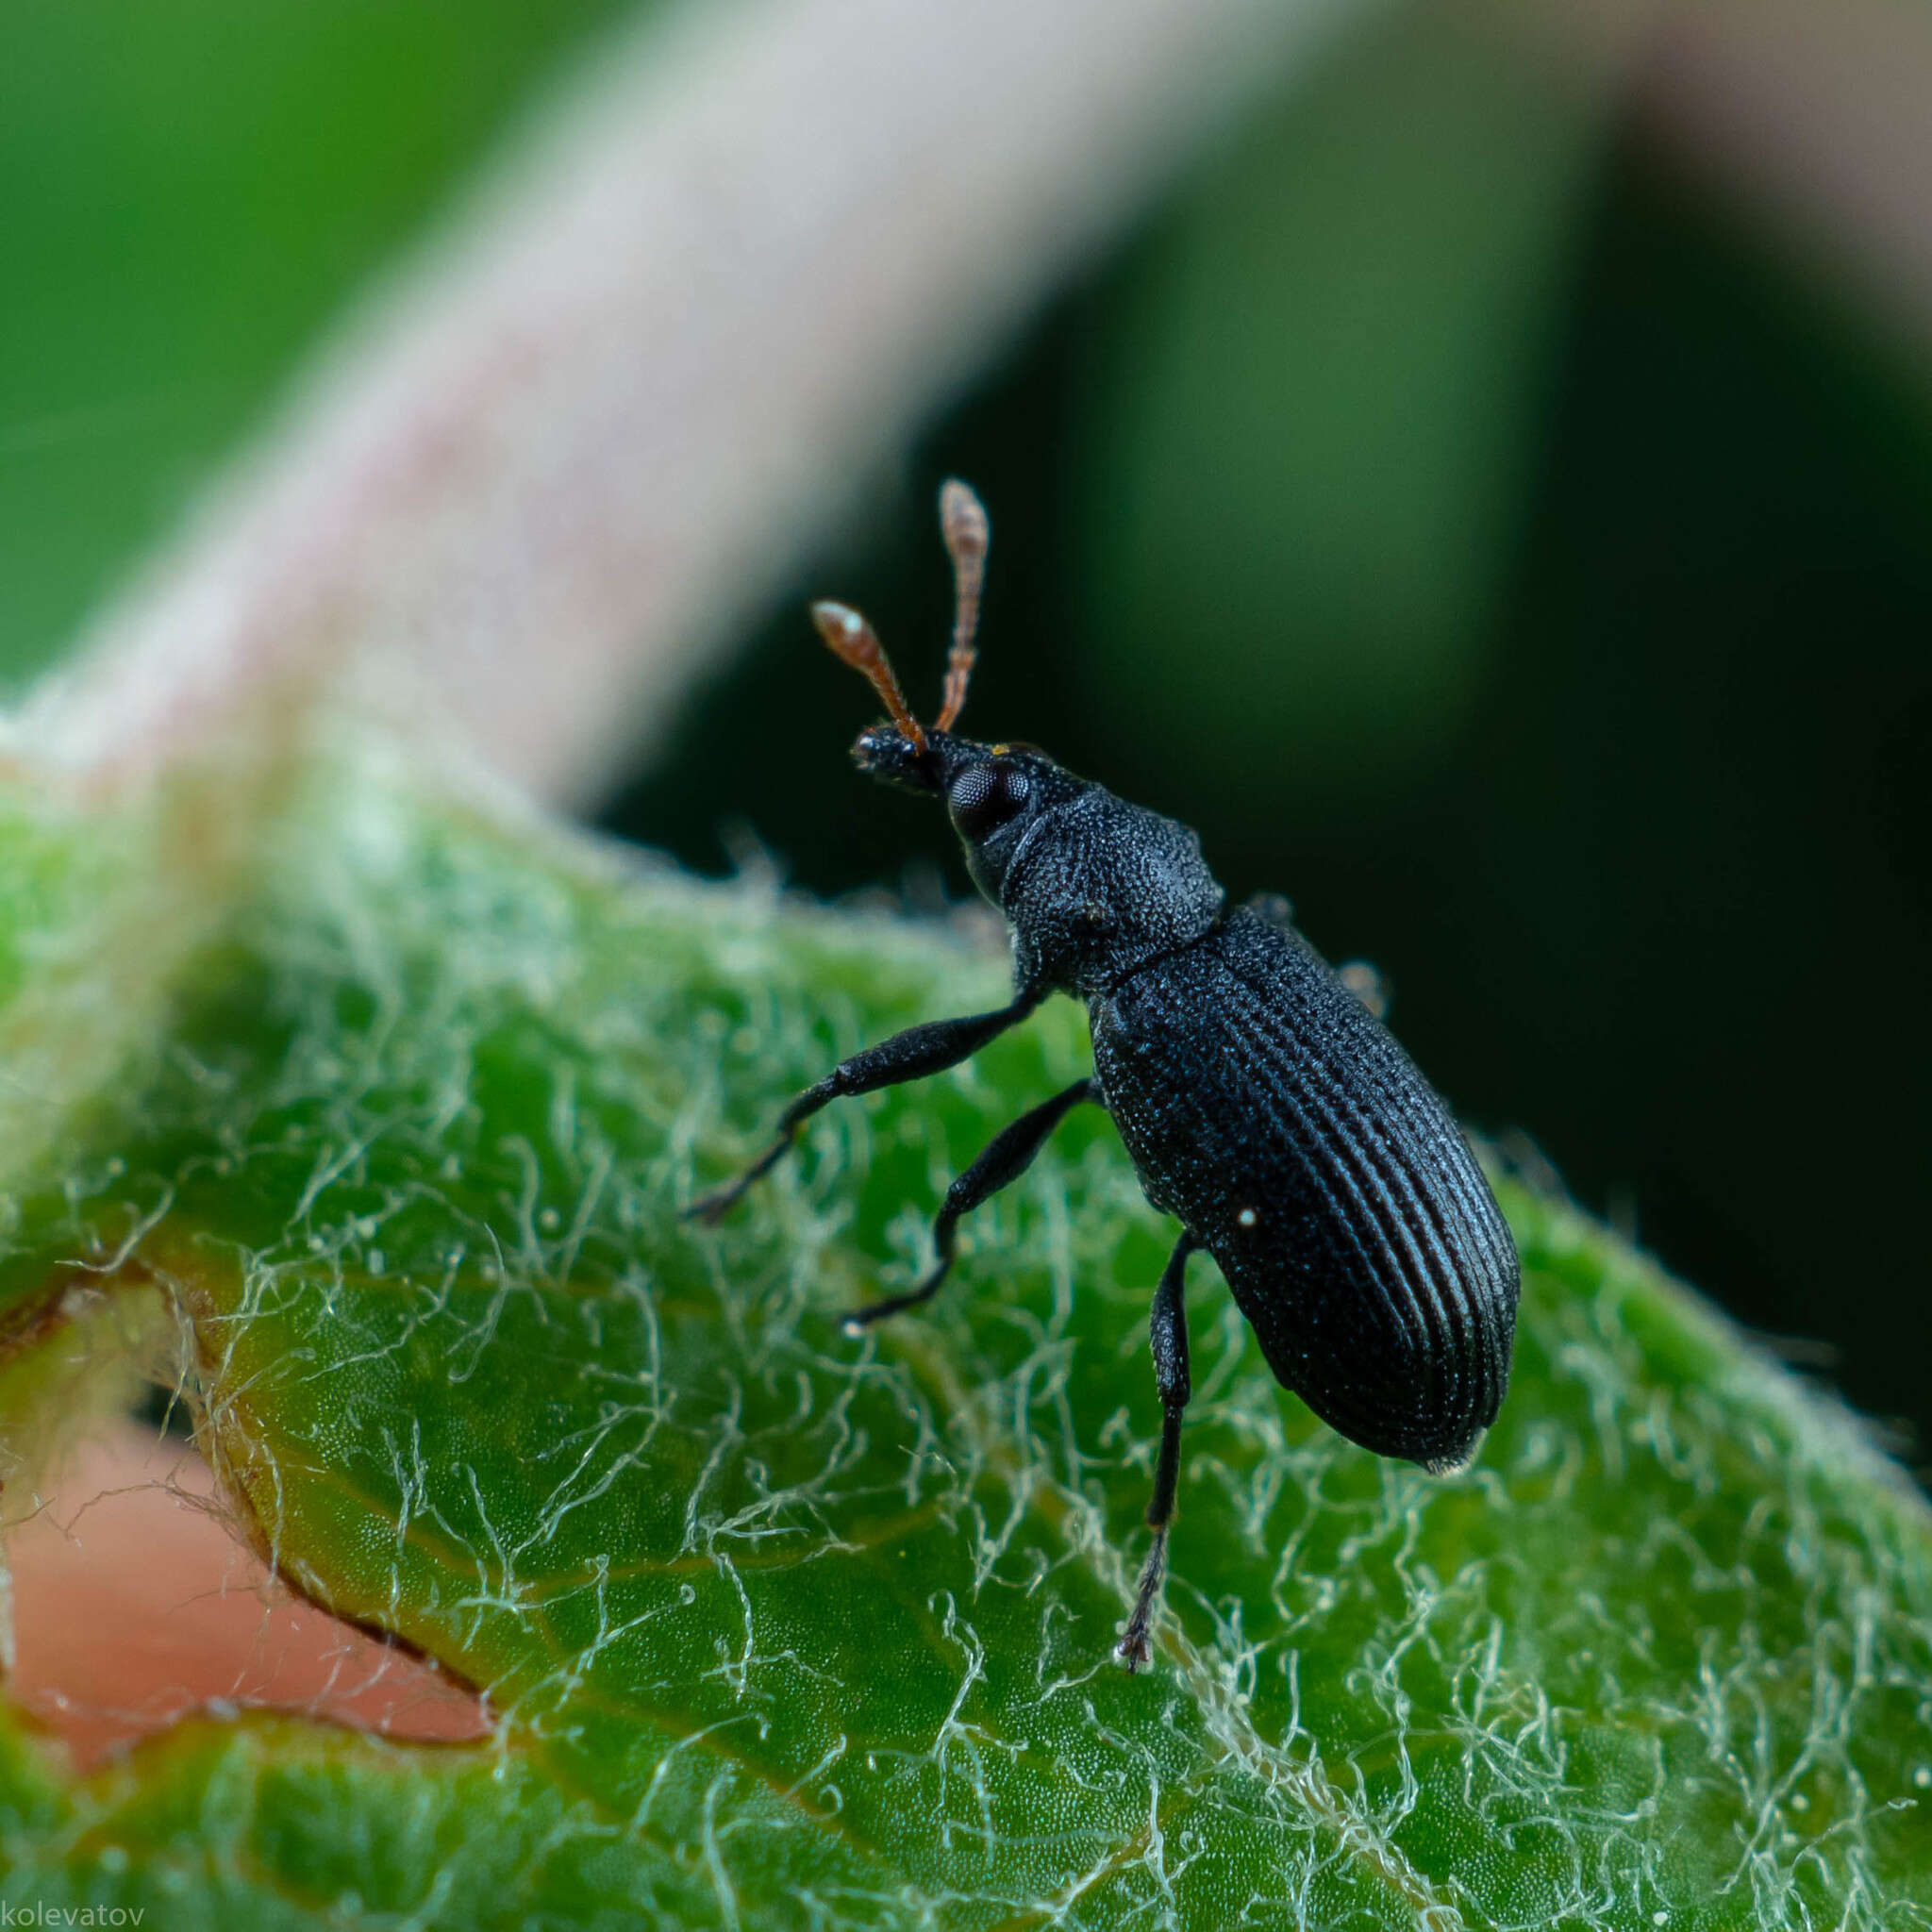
x,y
1004,1159
1167,1326
908,1055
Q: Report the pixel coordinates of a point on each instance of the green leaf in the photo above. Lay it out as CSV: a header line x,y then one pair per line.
x,y
786,1629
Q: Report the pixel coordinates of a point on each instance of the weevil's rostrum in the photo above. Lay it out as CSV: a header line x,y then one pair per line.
x,y
1263,1105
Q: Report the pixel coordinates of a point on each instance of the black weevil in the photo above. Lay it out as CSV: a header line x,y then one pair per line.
x,y
1264,1105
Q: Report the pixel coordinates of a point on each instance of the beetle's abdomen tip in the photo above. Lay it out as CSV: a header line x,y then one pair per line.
x,y
1455,1464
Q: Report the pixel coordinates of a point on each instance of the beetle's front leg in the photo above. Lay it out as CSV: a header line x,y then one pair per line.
x,y
1167,1327
908,1055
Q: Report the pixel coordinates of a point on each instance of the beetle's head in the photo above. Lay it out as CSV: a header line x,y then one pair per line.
x,y
992,791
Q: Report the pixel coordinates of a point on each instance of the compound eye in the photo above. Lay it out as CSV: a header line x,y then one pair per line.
x,y
984,797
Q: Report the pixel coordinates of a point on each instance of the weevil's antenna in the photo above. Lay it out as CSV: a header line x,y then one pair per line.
x,y
854,641
963,521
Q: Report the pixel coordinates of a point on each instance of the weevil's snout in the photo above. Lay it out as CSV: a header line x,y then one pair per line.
x,y
894,757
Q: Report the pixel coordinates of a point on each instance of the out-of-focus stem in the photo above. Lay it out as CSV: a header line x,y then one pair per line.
x,y
649,368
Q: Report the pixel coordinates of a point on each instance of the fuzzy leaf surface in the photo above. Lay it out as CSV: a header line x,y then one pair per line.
x,y
786,1629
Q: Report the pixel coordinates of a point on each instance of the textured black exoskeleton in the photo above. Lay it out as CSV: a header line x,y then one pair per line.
x,y
1264,1105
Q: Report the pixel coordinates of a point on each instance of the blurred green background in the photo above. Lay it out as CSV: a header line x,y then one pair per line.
x,y
1441,502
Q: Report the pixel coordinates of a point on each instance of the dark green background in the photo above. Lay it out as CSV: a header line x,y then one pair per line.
x,y
1441,503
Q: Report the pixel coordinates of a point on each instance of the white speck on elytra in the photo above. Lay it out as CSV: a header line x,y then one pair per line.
x,y
1247,1217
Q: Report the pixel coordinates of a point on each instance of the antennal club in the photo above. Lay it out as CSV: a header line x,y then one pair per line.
x,y
964,522
854,641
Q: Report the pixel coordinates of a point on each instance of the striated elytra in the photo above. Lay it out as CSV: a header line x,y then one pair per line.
x,y
1264,1105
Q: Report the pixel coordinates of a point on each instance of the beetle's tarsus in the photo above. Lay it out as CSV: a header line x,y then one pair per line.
x,y
711,1208
1135,1649
860,1320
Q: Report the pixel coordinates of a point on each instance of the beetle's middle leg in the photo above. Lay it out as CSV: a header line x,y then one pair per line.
x,y
1167,1326
1004,1159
